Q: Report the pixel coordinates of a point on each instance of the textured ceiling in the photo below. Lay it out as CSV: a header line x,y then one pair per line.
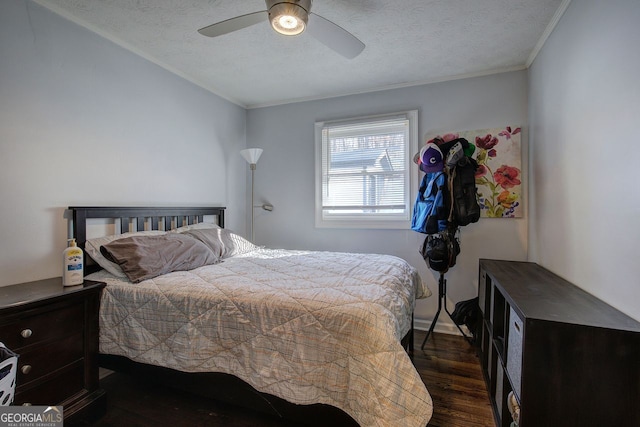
x,y
407,42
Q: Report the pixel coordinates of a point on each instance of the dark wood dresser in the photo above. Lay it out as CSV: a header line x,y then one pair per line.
x,y
571,359
54,330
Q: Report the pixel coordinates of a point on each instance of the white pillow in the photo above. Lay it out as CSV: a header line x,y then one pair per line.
x,y
239,245
198,226
223,242
92,247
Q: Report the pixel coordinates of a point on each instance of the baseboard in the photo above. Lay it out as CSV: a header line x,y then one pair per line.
x,y
443,326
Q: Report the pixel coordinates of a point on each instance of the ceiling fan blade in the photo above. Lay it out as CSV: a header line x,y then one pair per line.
x,y
335,37
234,24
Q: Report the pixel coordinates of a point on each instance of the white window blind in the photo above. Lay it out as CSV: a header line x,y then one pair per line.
x,y
364,176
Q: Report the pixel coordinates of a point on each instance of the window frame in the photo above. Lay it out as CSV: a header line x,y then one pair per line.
x,y
411,176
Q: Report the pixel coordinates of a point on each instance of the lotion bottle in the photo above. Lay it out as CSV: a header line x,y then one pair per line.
x,y
73,271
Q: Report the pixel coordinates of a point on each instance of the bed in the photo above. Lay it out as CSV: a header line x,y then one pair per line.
x,y
295,333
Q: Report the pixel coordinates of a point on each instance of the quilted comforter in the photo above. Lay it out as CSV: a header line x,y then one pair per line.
x,y
309,327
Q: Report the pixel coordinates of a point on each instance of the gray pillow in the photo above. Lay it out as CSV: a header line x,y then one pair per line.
x,y
145,257
92,247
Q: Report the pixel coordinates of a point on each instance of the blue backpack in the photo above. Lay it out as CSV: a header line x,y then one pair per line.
x,y
430,212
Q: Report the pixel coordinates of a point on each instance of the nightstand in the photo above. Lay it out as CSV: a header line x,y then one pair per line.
x,y
54,330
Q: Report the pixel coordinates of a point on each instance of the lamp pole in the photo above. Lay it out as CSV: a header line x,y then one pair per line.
x,y
253,170
251,155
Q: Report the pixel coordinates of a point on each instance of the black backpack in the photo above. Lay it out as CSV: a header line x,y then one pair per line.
x,y
466,313
464,194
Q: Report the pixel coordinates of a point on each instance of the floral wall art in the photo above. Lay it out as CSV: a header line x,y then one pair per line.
x,y
499,174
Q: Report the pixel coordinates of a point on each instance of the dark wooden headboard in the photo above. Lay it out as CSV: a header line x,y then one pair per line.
x,y
137,217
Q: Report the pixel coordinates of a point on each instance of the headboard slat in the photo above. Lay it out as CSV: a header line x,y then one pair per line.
x,y
124,225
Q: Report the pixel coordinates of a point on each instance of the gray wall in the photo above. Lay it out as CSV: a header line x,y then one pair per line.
x,y
85,122
584,108
285,175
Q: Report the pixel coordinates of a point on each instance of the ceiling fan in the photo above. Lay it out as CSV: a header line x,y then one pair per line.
x,y
292,17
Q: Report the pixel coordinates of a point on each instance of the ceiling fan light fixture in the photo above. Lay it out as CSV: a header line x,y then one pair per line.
x,y
288,18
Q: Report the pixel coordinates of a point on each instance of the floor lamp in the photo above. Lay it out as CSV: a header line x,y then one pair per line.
x,y
251,155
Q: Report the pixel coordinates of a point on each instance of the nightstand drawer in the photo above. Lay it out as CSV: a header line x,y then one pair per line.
x,y
54,389
45,326
48,358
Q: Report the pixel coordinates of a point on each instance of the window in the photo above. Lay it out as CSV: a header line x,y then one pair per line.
x,y
364,173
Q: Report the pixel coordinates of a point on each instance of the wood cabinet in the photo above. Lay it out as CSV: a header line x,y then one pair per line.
x,y
570,359
54,330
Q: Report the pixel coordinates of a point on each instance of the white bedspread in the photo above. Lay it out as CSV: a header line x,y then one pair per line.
x,y
309,327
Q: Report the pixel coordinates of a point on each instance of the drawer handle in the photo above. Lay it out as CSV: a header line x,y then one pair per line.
x,y
26,369
26,333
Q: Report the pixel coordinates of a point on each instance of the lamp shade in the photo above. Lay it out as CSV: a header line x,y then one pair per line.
x,y
251,155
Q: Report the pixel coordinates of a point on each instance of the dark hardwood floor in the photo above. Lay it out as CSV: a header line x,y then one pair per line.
x,y
448,366
451,371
